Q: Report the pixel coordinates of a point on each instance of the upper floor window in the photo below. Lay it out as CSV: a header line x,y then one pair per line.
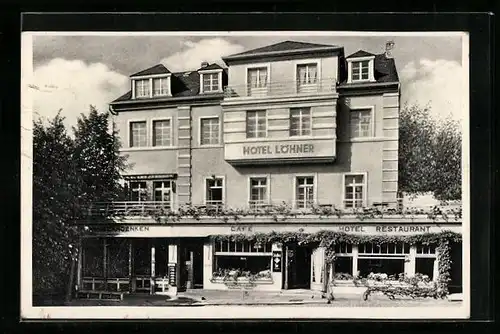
x,y
257,81
214,194
142,88
300,122
361,123
304,192
163,192
210,131
138,191
210,82
162,133
360,70
256,124
160,86
258,191
354,191
307,74
138,134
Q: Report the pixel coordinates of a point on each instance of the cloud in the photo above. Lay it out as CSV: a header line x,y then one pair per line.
x,y
437,83
73,85
210,50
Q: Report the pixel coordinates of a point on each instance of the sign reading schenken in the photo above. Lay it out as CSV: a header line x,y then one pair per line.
x,y
278,149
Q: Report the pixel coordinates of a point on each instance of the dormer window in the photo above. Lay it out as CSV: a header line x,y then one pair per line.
x,y
210,82
360,70
360,67
161,86
154,86
142,88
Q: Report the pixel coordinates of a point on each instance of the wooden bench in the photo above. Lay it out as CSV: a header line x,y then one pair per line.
x,y
100,295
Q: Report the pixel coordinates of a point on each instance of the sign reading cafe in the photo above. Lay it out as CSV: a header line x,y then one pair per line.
x,y
278,149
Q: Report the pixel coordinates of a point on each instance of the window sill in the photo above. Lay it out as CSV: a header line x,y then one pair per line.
x,y
148,148
210,146
220,280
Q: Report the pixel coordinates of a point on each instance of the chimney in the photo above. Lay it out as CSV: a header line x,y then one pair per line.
x,y
389,45
204,64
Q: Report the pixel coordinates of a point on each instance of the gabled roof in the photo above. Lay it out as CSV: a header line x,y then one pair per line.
x,y
282,47
183,84
360,53
157,69
213,66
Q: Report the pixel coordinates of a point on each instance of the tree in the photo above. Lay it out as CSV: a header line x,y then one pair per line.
x,y
68,175
54,188
429,154
97,158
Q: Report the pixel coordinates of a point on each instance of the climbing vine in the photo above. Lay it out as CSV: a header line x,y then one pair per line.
x,y
329,239
281,212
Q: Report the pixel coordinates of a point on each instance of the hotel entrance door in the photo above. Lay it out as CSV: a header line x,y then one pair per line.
x,y
298,267
192,265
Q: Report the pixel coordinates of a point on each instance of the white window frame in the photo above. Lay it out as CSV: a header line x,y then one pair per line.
x,y
129,133
372,121
233,253
315,189
210,72
267,124
150,78
167,78
205,194
152,122
298,63
254,67
301,128
172,193
268,187
130,189
350,61
200,131
365,188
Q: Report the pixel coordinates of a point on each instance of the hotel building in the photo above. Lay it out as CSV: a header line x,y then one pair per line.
x,y
295,128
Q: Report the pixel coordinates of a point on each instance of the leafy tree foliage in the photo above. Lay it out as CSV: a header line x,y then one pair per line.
x,y
97,158
68,174
429,154
55,186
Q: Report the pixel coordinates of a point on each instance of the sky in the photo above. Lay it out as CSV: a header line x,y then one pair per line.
x,y
73,72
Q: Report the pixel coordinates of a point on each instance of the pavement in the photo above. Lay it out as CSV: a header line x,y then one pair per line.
x,y
237,297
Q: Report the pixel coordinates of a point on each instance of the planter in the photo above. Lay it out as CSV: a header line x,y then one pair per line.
x,y
349,287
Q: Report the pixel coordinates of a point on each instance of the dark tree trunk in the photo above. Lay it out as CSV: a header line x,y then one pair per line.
x,y
69,291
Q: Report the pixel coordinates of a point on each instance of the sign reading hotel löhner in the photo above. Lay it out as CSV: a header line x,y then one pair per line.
x,y
321,149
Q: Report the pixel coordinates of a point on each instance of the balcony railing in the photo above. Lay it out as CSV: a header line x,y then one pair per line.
x,y
253,207
281,88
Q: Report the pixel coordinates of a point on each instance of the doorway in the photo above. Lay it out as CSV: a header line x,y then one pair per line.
x,y
455,285
192,264
298,267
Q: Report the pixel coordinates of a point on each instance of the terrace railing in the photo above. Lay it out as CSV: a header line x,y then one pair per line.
x,y
281,88
257,207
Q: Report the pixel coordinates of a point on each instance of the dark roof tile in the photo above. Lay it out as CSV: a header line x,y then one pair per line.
x,y
157,69
213,66
282,46
360,53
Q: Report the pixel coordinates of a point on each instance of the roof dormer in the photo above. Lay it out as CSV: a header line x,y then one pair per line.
x,y
210,78
152,82
360,67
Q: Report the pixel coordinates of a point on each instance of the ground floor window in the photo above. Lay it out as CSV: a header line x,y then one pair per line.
x,y
93,257
425,259
117,258
343,267
243,259
391,267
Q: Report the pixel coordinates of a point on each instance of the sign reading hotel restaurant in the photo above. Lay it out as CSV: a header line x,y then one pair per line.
x,y
192,230
320,149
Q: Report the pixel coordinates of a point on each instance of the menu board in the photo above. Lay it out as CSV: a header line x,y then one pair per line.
x,y
172,272
277,261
